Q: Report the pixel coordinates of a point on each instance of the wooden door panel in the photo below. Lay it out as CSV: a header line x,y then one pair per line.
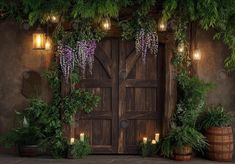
x,y
131,98
101,124
140,96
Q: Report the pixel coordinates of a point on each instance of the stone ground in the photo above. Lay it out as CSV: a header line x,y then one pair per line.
x,y
101,159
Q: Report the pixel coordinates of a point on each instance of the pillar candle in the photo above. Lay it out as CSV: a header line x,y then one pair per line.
x,y
154,142
145,139
82,137
72,141
157,135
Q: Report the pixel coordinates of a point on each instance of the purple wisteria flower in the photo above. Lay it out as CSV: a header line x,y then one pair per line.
x,y
146,41
66,60
85,55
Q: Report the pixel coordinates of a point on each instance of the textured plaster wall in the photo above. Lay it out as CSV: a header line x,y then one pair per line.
x,y
211,69
16,57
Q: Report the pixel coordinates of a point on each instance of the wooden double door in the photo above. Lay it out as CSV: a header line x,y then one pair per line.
x,y
132,97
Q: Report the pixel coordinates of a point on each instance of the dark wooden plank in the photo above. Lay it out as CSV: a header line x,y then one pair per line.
x,y
92,83
122,94
131,61
115,88
95,115
102,132
170,88
142,115
141,83
104,60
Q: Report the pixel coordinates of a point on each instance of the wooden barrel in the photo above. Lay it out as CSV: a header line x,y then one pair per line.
x,y
220,142
183,153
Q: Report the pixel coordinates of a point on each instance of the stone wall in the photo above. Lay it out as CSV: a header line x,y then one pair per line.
x,y
16,58
211,69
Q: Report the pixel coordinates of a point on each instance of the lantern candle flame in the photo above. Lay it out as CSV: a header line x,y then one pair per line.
x,y
197,55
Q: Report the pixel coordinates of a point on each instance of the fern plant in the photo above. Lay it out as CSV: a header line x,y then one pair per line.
x,y
214,116
179,137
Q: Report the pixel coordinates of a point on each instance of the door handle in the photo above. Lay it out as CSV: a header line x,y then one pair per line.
x,y
124,124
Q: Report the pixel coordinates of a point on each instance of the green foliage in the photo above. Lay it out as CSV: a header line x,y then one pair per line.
x,y
148,149
34,114
31,124
210,14
86,31
140,19
22,136
96,9
80,149
131,27
192,99
77,101
214,116
39,10
61,110
179,137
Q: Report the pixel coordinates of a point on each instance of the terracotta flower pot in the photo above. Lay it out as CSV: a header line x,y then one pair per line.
x,y
220,141
183,153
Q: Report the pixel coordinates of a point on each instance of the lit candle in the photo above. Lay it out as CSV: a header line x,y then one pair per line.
x,y
145,139
72,141
157,135
154,142
47,44
82,137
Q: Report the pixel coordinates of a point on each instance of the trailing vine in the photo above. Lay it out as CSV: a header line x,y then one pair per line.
x,y
216,14
62,109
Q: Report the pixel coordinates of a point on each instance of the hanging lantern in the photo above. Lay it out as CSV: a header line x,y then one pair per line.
x,y
181,47
162,25
39,39
48,44
106,24
197,55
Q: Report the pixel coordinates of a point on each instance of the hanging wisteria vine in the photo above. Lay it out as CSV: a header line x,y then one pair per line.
x,y
82,55
85,55
146,41
66,60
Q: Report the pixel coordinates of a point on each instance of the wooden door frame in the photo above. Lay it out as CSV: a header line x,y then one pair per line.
x,y
166,38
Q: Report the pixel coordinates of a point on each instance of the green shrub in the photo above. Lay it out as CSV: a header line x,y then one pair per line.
x,y
148,149
214,116
179,137
80,149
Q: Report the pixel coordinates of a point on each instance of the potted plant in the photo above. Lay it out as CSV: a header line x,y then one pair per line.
x,y
148,148
29,133
180,141
79,149
215,123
